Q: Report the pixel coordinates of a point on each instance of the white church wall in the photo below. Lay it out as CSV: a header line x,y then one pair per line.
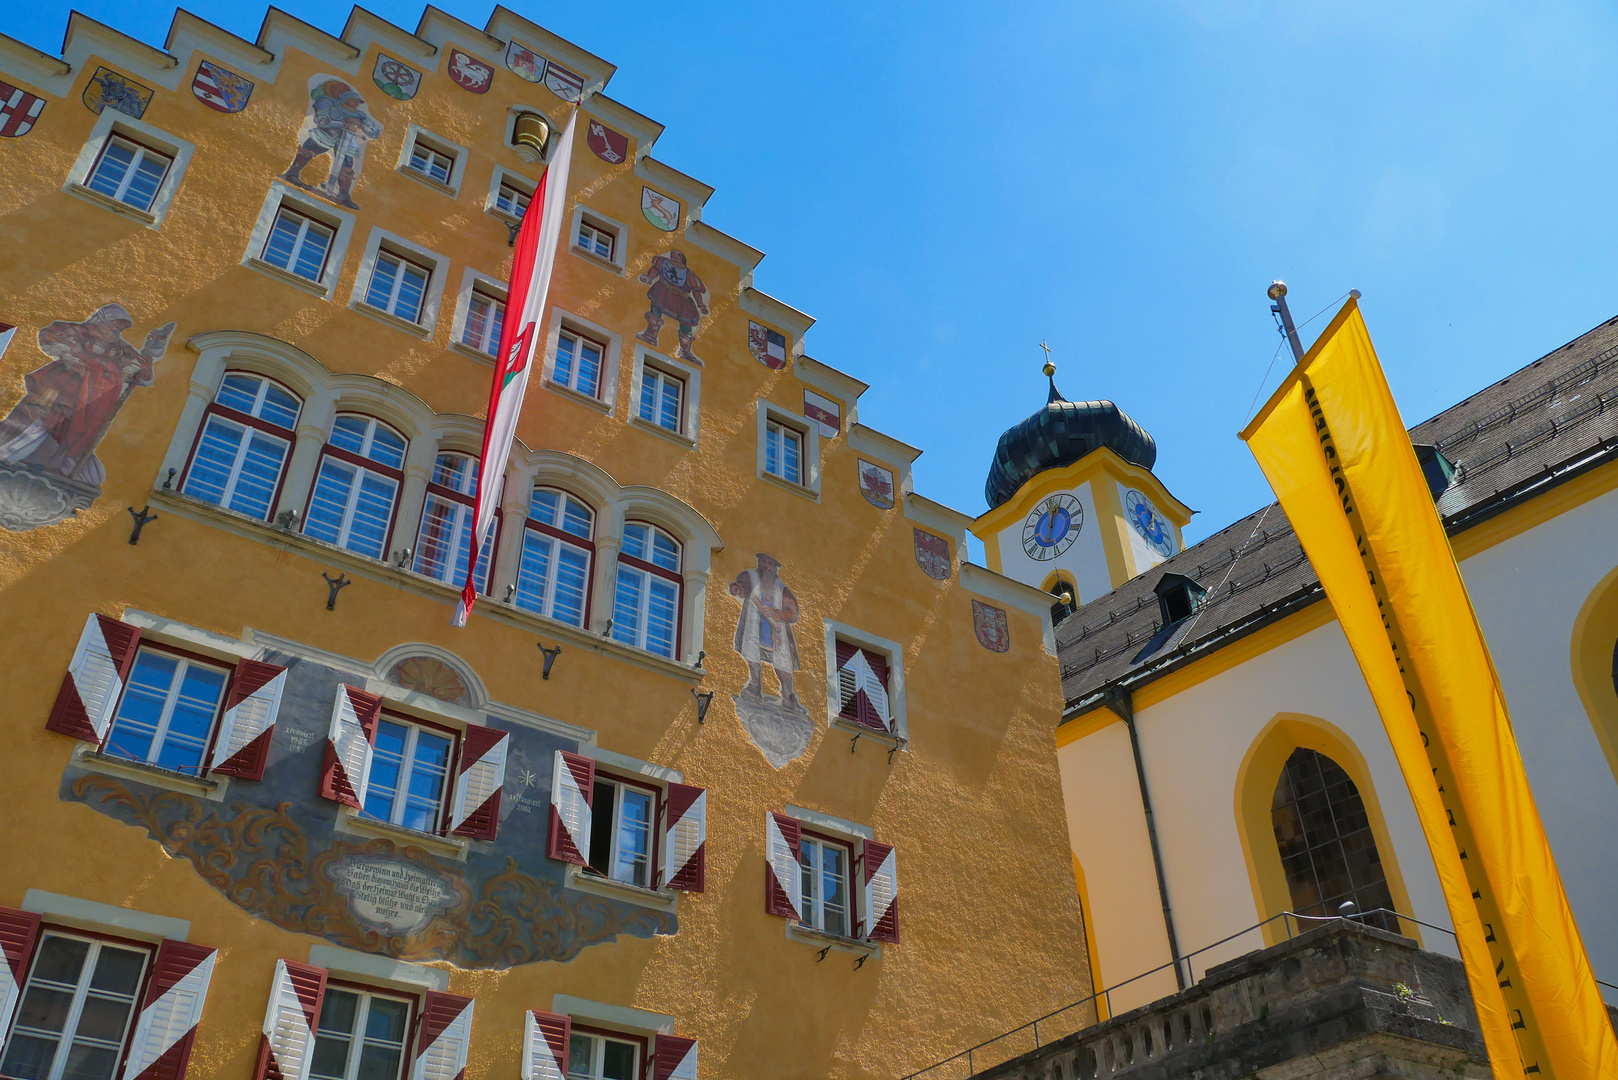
x,y
1085,559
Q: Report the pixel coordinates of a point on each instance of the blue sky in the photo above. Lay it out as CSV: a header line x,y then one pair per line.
x,y
944,185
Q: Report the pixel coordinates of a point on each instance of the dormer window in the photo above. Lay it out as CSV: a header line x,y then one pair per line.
x,y
1437,469
1178,596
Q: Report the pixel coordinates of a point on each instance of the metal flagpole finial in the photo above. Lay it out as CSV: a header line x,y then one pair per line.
x,y
1278,292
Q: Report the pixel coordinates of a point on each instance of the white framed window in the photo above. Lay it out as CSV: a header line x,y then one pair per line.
x,y
825,864
662,398
241,453
509,195
129,172
788,449
432,159
445,536
622,843
596,239
361,1036
430,163
667,395
512,200
578,363
783,451
646,600
75,1011
592,1056
357,485
553,577
599,238
398,286
129,166
485,317
409,774
299,244
167,711
400,283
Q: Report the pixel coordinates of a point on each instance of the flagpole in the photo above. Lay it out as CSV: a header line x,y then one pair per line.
x,y
1278,293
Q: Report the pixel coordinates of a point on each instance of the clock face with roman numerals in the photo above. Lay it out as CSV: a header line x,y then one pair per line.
x,y
1052,527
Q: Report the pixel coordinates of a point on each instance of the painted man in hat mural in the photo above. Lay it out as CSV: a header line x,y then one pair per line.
x,y
675,291
764,629
338,124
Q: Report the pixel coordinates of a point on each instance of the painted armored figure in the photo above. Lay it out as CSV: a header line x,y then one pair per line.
x,y
338,124
675,291
764,630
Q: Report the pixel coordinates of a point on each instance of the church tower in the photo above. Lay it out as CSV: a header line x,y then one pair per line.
x,y
1073,505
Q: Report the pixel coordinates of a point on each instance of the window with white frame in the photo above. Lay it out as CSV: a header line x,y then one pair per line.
x,y
430,161
74,1014
398,286
553,578
783,451
361,1036
596,239
409,774
662,397
298,244
246,435
512,200
167,711
357,485
621,841
129,172
646,602
825,867
578,363
445,536
593,1056
485,317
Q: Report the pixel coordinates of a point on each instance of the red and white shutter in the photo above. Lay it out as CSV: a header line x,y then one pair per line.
x,y
167,1025
879,889
685,838
544,1045
783,872
862,683
243,746
291,1021
354,716
18,932
674,1058
572,786
95,679
446,1034
476,811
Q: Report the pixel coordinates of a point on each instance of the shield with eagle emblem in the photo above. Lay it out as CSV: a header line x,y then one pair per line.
x,y
932,555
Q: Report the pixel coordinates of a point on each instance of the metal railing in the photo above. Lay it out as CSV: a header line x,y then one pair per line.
x,y
1013,1043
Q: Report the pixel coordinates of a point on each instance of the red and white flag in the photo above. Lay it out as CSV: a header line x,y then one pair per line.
x,y
537,240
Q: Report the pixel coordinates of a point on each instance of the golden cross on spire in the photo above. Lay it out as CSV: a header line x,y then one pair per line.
x,y
1050,368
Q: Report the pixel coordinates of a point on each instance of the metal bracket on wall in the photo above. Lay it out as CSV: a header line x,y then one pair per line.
x,y
550,657
823,953
341,581
854,743
141,520
861,961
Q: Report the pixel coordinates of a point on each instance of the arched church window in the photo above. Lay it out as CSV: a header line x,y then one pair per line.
x,y
1325,841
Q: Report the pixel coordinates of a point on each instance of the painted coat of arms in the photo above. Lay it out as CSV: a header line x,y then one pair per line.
x,y
469,73
876,484
659,209
48,466
777,724
395,78
990,624
109,90
562,82
339,124
769,347
19,111
525,62
932,555
608,145
219,89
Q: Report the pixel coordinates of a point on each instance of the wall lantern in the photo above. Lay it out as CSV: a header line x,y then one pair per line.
x,y
550,657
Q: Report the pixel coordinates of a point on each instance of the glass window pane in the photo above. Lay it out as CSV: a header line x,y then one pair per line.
x,y
648,395
384,277
259,472
661,617
348,433
572,577
589,367
634,837
581,1057
565,346
191,719
544,505
239,392
534,571
111,169
379,1062
90,1063
635,540
665,552
368,530
215,460
61,960
626,611
141,711
142,188
328,507
618,1061
576,519
412,286
670,415
386,1020
437,553
338,1011
387,447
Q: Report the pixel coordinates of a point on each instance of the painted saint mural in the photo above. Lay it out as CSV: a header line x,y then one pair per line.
x,y
339,124
676,291
48,440
778,724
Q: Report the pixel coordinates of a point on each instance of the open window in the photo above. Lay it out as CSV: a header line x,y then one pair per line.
x,y
627,823
830,877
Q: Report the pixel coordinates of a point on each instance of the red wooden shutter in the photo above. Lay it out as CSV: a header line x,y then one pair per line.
x,y
862,685
354,716
291,1021
167,1025
783,871
674,1058
879,888
544,1053
475,812
18,932
685,838
445,1036
95,679
573,782
847,692
243,746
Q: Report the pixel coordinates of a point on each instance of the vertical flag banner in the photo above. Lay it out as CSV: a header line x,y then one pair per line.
x,y
1333,448
537,240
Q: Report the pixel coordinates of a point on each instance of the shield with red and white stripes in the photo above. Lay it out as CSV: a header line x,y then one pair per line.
x,y
19,111
167,1024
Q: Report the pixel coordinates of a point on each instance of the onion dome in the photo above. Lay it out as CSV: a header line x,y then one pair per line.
x,y
1060,434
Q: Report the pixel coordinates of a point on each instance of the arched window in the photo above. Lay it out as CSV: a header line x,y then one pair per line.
x,y
558,548
357,486
446,523
646,603
242,451
1066,602
1324,836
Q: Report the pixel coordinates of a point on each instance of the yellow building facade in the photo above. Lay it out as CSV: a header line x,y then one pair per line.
x,y
785,803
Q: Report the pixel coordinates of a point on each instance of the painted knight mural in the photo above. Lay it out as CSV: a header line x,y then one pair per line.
x,y
676,292
339,125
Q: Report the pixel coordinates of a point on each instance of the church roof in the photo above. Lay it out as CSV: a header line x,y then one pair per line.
x,y
1059,434
1534,429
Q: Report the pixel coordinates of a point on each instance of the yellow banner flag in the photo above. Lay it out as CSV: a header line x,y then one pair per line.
x,y
1333,448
